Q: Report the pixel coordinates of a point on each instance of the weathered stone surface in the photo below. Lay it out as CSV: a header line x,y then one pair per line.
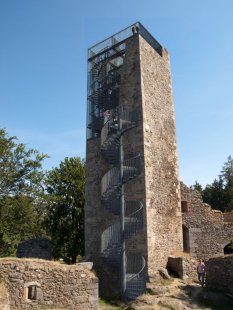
x,y
164,273
219,273
183,266
4,297
205,231
47,283
145,86
163,216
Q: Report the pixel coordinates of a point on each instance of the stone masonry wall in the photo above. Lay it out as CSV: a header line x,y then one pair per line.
x,y
219,273
205,231
228,217
39,284
131,100
164,234
182,266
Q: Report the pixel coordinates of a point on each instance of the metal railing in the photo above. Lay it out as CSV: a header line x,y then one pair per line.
x,y
111,235
110,121
133,219
112,178
118,120
103,89
135,276
97,80
131,168
121,36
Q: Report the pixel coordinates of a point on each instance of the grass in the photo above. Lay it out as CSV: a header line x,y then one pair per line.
x,y
108,305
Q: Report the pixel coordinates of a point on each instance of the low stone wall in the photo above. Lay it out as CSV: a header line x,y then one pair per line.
x,y
182,266
219,273
40,284
228,217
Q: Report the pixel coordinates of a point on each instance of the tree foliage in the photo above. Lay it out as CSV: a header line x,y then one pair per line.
x,y
65,218
197,186
219,194
21,179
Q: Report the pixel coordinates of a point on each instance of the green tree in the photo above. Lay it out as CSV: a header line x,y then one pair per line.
x,y
197,186
65,219
214,194
20,221
219,194
227,176
227,170
21,179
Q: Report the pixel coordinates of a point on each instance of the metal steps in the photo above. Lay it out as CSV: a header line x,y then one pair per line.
x,y
112,183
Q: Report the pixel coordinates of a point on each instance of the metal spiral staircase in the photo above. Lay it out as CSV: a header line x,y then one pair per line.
x,y
103,92
107,120
130,213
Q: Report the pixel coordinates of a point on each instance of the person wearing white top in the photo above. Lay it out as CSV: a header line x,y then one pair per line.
x,y
201,272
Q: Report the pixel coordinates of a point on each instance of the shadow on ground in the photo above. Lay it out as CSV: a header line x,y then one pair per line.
x,y
208,299
176,294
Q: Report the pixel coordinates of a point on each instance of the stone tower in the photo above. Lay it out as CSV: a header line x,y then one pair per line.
x,y
132,211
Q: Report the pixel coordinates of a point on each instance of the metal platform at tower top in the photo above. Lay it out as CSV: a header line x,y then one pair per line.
x,y
121,36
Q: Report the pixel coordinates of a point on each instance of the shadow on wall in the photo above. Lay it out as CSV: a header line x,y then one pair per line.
x,y
228,249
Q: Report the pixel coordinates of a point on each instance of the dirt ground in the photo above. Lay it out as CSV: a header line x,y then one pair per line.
x,y
176,294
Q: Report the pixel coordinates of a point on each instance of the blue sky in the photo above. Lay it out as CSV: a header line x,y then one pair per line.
x,y
43,51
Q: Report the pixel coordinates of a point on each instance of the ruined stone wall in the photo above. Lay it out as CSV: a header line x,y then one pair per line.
x,y
206,233
39,284
183,266
228,217
164,235
219,273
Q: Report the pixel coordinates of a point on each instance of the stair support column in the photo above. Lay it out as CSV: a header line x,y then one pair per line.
x,y
122,219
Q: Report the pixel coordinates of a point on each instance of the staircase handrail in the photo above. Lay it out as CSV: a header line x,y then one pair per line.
x,y
110,235
136,275
110,179
131,167
135,212
118,120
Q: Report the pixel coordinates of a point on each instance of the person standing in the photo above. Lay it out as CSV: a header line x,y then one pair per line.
x,y
201,272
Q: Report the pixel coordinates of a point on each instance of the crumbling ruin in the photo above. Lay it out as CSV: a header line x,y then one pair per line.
x,y
38,284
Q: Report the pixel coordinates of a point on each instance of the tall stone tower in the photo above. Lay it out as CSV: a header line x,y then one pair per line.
x,y
132,211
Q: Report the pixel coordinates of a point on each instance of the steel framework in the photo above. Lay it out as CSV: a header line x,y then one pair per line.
x,y
109,121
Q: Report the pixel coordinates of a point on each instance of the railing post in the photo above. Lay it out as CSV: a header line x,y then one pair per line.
x,y
122,216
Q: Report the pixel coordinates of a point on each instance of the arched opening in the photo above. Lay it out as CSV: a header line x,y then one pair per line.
x,y
186,243
228,249
32,291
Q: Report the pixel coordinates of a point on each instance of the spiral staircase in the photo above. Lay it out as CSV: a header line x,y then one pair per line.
x,y
104,83
130,213
103,96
